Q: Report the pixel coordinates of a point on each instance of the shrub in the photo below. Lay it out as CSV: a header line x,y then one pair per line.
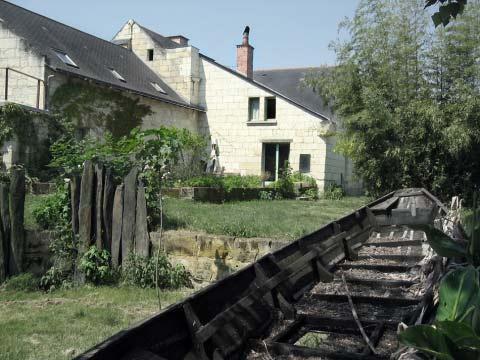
x,y
284,184
266,195
22,282
48,213
96,265
141,271
243,182
312,193
299,177
333,192
55,278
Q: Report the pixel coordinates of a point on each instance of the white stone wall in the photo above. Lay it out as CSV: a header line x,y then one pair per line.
x,y
16,54
177,67
225,96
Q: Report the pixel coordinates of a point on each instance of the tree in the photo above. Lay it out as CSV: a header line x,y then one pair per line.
x,y
406,119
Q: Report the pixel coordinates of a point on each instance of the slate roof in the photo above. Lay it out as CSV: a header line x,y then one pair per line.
x,y
289,82
161,40
94,56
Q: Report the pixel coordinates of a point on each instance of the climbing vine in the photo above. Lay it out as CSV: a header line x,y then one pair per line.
x,y
89,106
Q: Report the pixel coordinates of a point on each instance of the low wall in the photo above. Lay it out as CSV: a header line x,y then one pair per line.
x,y
208,257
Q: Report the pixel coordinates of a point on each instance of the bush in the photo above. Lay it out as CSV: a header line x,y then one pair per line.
x,y
48,213
22,282
96,265
203,181
141,271
284,185
55,278
312,193
333,192
299,177
266,195
241,182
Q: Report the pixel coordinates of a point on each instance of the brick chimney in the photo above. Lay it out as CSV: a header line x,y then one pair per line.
x,y
245,55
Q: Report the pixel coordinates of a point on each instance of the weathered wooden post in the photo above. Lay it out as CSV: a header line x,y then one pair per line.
x,y
99,172
75,201
117,224
17,234
4,228
129,209
142,239
108,198
85,216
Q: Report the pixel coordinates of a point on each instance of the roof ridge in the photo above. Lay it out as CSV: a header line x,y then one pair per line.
x,y
60,23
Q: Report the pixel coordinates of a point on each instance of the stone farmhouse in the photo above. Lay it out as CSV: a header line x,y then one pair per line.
x,y
255,120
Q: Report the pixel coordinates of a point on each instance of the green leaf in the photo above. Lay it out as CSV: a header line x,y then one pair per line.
x,y
443,244
460,297
460,333
429,340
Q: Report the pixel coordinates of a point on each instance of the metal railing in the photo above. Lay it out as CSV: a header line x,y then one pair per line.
x,y
39,81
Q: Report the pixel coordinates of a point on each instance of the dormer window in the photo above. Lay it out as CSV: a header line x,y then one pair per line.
x,y
117,75
67,60
158,87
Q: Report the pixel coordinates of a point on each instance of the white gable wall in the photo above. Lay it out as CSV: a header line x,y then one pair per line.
x,y
225,97
177,67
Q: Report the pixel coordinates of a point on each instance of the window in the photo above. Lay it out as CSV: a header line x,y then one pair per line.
x,y
270,108
65,58
158,88
253,109
150,54
304,163
117,75
275,159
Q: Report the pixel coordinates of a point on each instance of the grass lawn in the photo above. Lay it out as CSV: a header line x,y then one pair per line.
x,y
62,324
280,219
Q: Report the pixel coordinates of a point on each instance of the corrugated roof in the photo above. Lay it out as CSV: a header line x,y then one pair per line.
x,y
289,82
94,56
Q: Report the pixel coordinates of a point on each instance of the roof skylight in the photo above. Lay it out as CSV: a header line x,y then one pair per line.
x,y
117,75
67,60
158,88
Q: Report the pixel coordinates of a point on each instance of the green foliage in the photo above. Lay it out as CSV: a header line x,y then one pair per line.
x,y
408,99
51,209
22,282
95,264
455,333
56,278
299,177
284,185
226,182
89,106
141,271
333,192
266,195
312,193
447,247
243,182
448,10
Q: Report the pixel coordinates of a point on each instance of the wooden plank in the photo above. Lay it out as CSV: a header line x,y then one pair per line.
x,y
194,324
386,205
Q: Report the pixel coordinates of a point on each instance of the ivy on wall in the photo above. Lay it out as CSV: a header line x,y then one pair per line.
x,y
24,125
90,106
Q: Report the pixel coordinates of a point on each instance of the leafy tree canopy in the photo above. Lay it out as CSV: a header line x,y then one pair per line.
x,y
408,97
